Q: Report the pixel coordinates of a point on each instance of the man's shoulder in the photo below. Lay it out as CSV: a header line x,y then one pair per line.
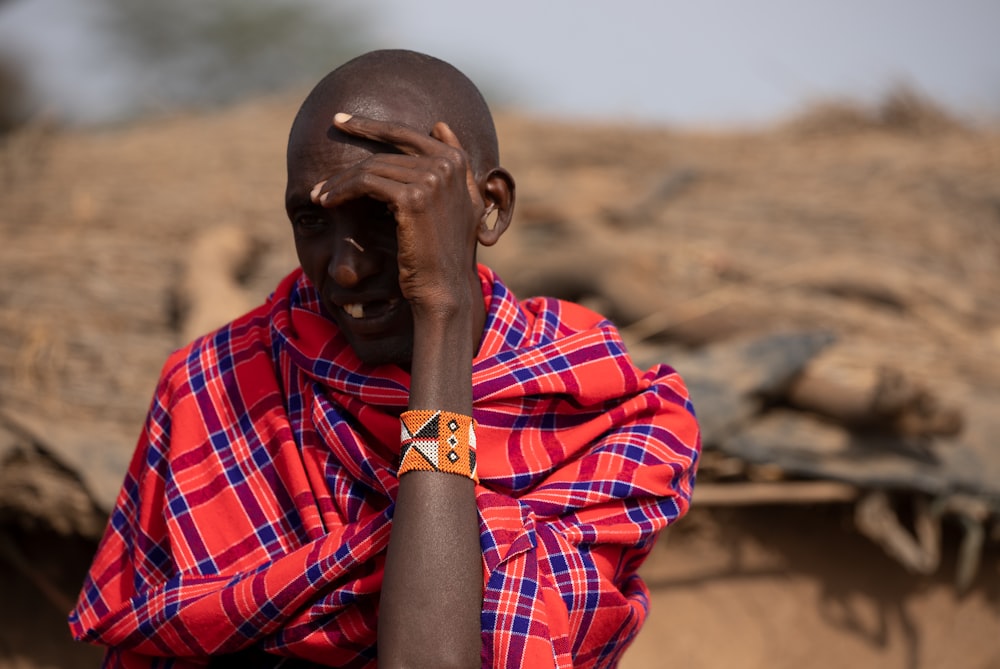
x,y
540,318
554,319
592,336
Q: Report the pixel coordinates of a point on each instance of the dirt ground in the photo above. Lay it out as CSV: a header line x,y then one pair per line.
x,y
882,225
791,588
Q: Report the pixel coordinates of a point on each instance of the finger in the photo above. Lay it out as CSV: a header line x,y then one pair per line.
x,y
443,133
404,138
397,196
358,186
397,167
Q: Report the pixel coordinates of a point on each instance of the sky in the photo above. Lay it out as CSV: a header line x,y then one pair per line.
x,y
712,62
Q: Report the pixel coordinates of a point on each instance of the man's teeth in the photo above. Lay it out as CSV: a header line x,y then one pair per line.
x,y
375,308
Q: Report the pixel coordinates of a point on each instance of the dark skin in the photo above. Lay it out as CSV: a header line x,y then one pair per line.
x,y
387,209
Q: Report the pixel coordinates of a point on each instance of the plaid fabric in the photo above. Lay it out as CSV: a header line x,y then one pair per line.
x,y
257,507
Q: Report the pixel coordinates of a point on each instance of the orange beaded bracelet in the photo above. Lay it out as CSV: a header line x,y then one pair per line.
x,y
437,441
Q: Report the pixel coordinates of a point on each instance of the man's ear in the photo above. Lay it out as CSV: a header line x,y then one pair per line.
x,y
498,194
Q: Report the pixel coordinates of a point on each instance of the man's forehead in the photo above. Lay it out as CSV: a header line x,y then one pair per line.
x,y
409,106
315,133
398,103
332,151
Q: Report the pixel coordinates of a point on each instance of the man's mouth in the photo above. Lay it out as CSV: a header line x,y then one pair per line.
x,y
373,309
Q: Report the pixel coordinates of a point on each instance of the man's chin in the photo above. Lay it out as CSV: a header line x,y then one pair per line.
x,y
387,351
391,344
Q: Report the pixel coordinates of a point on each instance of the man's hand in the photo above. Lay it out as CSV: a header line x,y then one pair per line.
x,y
430,189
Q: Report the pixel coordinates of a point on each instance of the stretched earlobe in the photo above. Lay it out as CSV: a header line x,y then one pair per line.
x,y
490,217
498,192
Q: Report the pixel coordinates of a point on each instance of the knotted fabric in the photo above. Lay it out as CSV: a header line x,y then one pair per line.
x,y
258,504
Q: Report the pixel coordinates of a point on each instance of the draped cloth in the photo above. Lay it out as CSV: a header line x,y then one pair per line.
x,y
258,504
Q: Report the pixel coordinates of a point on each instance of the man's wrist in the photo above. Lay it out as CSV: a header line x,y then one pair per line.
x,y
444,306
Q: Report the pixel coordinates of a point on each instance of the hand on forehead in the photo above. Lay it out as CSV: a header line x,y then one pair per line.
x,y
440,146
403,88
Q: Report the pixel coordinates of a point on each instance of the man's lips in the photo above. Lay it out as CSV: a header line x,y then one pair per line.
x,y
369,309
368,314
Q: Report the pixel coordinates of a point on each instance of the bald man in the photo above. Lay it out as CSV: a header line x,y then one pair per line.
x,y
393,461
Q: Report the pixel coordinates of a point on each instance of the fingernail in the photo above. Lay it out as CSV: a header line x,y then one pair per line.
x,y
315,191
341,117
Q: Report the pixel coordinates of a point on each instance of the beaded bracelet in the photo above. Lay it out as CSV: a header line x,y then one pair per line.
x,y
437,441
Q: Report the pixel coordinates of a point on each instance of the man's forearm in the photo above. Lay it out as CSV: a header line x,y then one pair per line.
x,y
432,590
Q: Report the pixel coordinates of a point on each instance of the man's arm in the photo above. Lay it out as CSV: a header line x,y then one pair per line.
x,y
432,590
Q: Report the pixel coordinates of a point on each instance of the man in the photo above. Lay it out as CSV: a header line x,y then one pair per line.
x,y
393,460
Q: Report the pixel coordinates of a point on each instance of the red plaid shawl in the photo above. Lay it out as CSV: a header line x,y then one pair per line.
x,y
258,503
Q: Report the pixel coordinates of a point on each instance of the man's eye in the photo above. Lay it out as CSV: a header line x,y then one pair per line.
x,y
309,225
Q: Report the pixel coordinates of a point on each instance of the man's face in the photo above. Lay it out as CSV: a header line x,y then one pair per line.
x,y
348,252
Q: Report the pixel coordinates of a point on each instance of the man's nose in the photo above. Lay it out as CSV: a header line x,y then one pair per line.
x,y
351,261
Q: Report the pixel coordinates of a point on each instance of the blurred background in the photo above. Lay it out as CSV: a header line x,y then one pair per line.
x,y
715,62
797,205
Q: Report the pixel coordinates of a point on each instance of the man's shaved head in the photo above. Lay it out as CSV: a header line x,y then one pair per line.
x,y
406,185
428,89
